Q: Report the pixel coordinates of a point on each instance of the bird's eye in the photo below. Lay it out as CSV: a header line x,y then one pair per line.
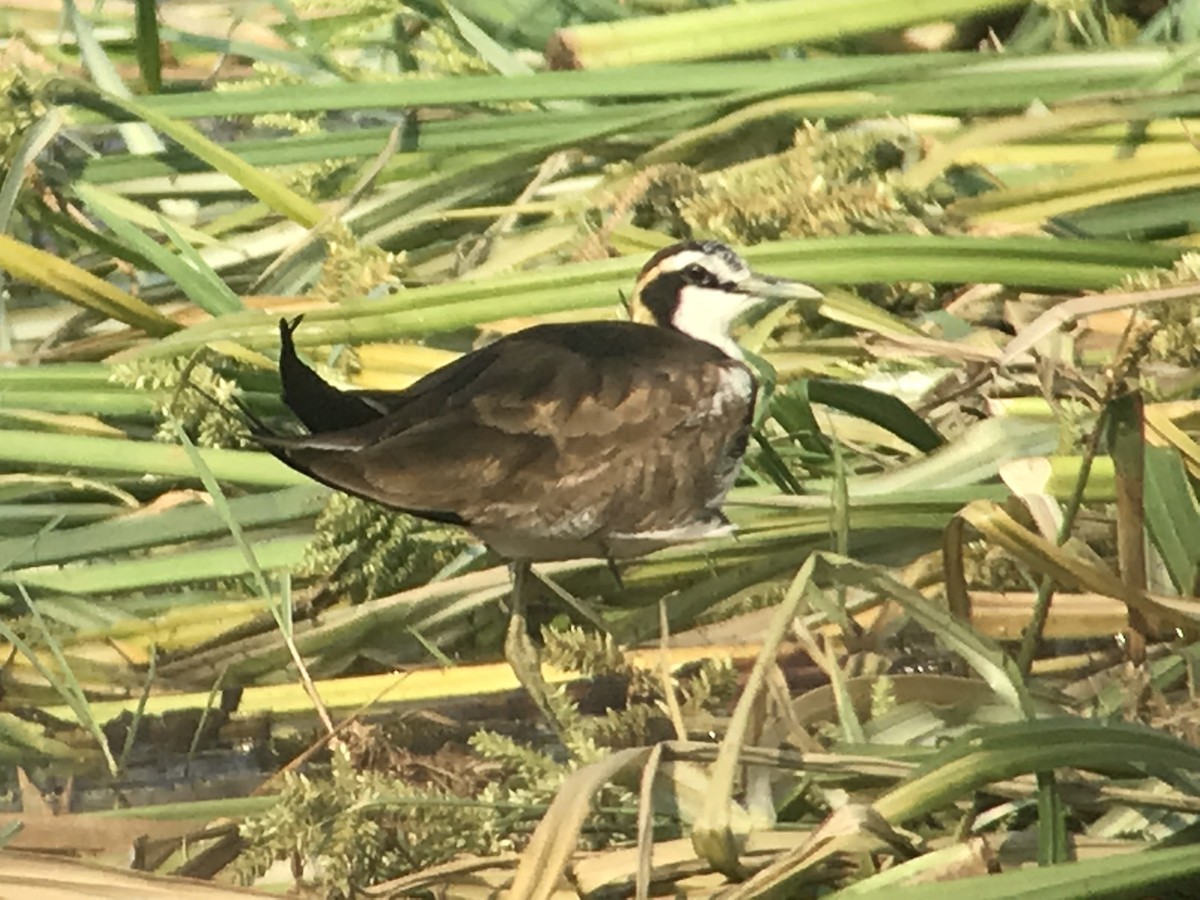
x,y
697,274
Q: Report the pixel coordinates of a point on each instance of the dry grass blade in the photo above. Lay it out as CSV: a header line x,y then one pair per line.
x,y
545,859
487,875
1045,557
852,827
36,877
973,856
1068,311
645,824
712,834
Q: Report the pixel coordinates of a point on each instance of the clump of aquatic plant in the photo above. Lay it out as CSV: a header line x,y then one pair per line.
x,y
1177,334
353,828
351,269
189,393
364,550
828,183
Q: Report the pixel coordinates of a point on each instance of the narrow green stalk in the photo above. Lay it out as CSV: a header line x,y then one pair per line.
x,y
1041,606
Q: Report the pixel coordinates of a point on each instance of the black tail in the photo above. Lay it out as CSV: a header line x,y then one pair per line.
x,y
316,402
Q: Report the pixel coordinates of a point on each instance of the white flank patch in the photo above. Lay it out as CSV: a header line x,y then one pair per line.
x,y
736,386
621,546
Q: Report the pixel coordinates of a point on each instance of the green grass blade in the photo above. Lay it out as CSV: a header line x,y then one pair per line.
x,y
61,277
208,293
1173,516
257,182
884,410
742,29
991,754
139,138
149,54
1155,872
170,568
189,522
141,458
221,505
63,680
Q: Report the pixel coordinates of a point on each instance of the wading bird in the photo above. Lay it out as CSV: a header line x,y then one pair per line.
x,y
561,441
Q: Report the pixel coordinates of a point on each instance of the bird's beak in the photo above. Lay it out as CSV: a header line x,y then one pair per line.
x,y
778,290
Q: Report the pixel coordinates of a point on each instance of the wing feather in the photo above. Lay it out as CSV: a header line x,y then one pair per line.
x,y
562,429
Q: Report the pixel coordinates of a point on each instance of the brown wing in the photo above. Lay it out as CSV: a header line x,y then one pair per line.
x,y
561,430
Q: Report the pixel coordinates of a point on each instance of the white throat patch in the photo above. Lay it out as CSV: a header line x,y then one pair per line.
x,y
707,314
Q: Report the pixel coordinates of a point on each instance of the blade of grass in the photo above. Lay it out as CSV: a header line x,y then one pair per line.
x,y
742,29
63,681
184,269
1172,514
995,753
138,137
61,277
256,181
142,458
1156,872
180,524
149,54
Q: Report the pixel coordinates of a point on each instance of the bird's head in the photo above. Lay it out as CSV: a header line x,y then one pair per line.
x,y
700,288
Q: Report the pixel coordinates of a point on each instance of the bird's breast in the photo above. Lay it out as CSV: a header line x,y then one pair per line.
x,y
733,394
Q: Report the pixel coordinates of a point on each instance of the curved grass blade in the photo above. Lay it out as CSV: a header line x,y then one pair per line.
x,y
884,410
185,269
274,193
1153,873
61,277
557,835
996,753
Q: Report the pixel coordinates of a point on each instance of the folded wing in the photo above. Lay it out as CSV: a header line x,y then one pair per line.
x,y
559,431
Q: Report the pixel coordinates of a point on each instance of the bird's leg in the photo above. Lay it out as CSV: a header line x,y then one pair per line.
x,y
616,573
520,651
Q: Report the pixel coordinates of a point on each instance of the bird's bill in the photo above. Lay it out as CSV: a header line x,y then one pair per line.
x,y
780,290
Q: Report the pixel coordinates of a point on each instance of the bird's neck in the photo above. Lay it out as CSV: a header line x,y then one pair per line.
x,y
700,324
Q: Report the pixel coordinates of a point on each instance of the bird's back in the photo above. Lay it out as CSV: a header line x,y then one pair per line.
x,y
601,438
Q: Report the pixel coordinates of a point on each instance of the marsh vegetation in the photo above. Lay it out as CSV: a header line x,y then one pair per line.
x,y
955,636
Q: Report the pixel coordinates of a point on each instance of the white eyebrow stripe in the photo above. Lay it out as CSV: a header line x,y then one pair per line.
x,y
724,270
682,260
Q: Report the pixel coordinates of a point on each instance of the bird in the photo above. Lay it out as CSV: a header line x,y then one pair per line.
x,y
608,439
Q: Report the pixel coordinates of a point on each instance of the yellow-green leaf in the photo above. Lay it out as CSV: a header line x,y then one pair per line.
x,y
35,266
